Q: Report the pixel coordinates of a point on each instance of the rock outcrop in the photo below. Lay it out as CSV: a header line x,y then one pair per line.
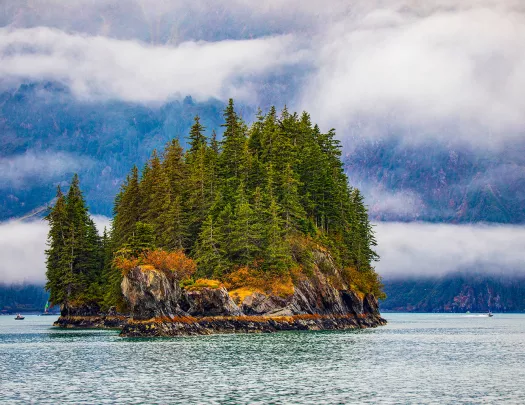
x,y
159,307
88,316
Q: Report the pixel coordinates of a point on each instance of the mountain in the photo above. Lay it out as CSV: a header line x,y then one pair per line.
x,y
44,127
22,298
458,292
438,182
46,135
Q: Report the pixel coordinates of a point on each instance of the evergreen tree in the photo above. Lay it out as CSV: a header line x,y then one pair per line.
x,y
198,198
241,202
232,161
58,270
127,208
209,255
75,256
245,239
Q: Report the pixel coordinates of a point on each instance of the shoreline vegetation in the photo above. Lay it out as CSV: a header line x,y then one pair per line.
x,y
260,224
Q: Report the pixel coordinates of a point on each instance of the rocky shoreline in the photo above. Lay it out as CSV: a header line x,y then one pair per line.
x,y
159,306
246,324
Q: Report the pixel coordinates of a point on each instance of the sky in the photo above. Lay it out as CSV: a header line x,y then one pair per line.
x,y
442,70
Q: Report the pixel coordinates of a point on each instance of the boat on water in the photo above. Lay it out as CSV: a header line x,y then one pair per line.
x,y
46,310
19,317
490,314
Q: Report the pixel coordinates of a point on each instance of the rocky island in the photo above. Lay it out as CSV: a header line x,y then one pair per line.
x,y
259,232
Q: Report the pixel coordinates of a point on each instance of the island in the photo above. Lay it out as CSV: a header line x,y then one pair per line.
x,y
257,232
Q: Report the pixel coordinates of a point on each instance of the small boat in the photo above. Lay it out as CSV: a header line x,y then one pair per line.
x,y
490,314
46,310
19,317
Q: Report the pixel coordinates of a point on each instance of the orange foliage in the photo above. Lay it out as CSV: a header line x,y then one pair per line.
x,y
175,262
125,264
182,266
252,279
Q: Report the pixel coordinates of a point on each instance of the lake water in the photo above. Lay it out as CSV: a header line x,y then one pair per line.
x,y
417,358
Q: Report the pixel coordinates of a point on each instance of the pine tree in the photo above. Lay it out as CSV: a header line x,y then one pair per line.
x,y
292,209
127,208
143,239
158,200
245,238
175,167
197,138
232,161
198,198
75,256
209,255
58,270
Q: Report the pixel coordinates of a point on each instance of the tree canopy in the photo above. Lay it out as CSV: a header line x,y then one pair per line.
x,y
240,201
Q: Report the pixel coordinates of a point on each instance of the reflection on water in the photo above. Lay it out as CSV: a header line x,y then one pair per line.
x,y
416,358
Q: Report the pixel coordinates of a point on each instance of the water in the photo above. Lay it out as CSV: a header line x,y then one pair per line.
x,y
425,358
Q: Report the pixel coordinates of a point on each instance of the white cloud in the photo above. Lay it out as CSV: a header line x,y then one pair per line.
x,y
22,249
31,167
400,204
425,249
101,67
443,69
427,67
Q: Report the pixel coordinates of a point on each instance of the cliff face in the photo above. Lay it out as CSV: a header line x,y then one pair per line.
x,y
159,307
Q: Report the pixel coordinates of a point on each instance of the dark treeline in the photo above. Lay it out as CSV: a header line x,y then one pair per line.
x,y
244,201
22,298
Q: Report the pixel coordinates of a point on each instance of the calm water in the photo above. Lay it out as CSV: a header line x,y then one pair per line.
x,y
415,359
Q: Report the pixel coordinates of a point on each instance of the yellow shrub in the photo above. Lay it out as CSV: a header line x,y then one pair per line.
x,y
201,283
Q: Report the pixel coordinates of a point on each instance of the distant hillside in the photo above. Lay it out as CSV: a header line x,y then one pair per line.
x,y
43,129
456,293
46,135
22,298
440,183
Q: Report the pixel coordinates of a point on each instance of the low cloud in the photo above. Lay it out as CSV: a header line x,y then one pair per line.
x,y
386,204
33,167
97,67
427,69
427,250
22,249
439,69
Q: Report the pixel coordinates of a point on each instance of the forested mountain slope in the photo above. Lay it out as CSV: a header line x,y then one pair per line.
x,y
46,135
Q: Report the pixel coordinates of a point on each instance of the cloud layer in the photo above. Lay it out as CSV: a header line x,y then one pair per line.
x,y
459,69
437,68
406,249
426,250
20,170
22,249
97,67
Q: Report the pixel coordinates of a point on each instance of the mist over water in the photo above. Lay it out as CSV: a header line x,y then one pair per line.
x,y
423,358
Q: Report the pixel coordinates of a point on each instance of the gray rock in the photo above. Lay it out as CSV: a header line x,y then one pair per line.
x,y
211,302
151,293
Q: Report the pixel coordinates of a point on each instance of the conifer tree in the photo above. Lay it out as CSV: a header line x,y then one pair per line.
x,y
209,255
232,161
127,208
245,239
58,269
74,257
198,198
